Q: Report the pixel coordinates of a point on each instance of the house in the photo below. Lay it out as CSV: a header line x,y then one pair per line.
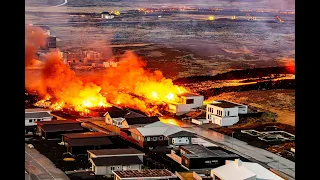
x,y
115,117
104,161
145,174
106,15
238,170
132,122
186,102
79,143
224,113
35,115
55,128
161,134
199,157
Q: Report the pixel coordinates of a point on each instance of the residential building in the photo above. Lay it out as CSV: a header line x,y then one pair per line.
x,y
79,143
55,128
224,113
161,134
125,123
199,157
116,117
105,161
186,102
238,170
35,115
145,174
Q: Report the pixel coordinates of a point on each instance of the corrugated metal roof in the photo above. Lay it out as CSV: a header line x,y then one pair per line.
x,y
89,141
37,115
115,151
86,135
142,120
232,171
61,127
116,160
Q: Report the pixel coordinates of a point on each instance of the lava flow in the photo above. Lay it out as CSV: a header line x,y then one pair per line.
x,y
127,85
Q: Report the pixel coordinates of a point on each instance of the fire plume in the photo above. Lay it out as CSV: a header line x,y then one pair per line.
x,y
127,85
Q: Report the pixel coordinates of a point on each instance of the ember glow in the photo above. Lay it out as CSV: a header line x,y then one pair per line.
x,y
127,85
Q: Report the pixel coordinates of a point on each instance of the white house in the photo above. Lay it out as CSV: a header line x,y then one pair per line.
x,y
238,170
224,113
187,101
35,115
104,161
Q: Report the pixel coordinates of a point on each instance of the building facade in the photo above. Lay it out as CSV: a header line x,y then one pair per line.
x,y
224,113
35,115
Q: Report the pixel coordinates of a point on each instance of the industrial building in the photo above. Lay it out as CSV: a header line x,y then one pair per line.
x,y
224,113
55,128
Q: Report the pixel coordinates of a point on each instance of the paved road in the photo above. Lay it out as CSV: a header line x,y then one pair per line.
x,y
240,147
39,167
65,2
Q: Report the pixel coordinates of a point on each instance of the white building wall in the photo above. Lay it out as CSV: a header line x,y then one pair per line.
x,y
100,170
32,123
180,140
243,109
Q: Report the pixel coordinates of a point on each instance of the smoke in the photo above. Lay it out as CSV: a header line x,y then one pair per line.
x,y
35,38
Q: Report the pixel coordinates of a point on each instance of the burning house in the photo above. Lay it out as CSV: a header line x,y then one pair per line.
x,y
186,102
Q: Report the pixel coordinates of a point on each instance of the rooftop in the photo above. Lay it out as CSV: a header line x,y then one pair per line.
x,y
105,13
160,128
115,151
260,171
198,151
86,135
142,120
146,173
54,122
232,171
124,114
89,142
37,115
225,104
116,160
33,110
61,127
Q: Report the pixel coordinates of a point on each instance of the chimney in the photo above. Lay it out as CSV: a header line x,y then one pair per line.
x,y
238,162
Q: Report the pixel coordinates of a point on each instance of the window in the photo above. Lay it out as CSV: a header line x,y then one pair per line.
x,y
160,138
186,161
189,101
228,113
118,167
30,120
208,116
129,167
154,138
148,138
112,168
138,137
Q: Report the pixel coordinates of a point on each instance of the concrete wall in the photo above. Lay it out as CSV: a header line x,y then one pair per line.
x,y
224,121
